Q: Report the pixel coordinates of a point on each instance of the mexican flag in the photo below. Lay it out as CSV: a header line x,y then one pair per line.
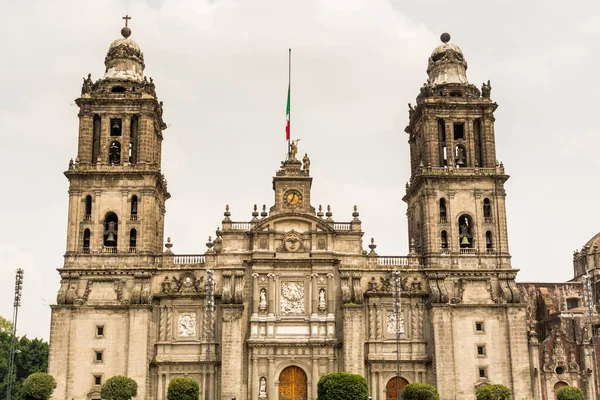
x,y
287,116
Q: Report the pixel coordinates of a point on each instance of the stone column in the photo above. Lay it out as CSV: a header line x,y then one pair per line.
x,y
271,295
255,295
354,339
314,306
315,376
271,387
254,384
232,350
330,307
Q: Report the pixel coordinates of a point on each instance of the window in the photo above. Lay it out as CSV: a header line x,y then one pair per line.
x,y
99,356
86,241
111,226
133,140
134,207
443,211
479,327
465,227
132,241
118,89
444,239
115,127
97,380
487,210
572,303
99,330
478,143
482,372
96,138
442,140
114,153
489,245
481,350
88,208
459,131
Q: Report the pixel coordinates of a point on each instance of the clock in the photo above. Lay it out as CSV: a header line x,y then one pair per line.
x,y
292,198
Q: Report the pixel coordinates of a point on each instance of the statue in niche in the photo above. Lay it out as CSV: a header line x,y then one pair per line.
x,y
292,241
322,301
262,304
262,388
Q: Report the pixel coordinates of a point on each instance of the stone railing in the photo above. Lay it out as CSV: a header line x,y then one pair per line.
x,y
467,250
188,259
498,170
109,249
392,261
342,226
240,226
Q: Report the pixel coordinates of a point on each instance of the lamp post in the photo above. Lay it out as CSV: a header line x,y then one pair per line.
x,y
397,312
208,309
16,305
590,302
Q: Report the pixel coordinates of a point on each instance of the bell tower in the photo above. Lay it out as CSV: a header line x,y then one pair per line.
x,y
117,193
456,198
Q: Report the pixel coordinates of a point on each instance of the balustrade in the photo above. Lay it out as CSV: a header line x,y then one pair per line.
x,y
342,226
392,261
189,259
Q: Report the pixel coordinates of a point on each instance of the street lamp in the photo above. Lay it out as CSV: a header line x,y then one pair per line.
x,y
16,305
208,309
590,303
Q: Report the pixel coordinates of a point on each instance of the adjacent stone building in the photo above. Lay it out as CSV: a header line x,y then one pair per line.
x,y
278,301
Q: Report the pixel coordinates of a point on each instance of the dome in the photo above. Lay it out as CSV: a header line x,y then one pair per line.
x,y
124,59
447,64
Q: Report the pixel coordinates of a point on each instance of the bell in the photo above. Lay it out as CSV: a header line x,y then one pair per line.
x,y
460,161
116,125
488,241
464,241
110,238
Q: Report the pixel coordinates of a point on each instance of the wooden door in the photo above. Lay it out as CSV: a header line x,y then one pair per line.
x,y
391,389
293,384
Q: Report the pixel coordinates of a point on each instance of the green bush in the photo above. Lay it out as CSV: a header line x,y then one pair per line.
x,y
420,391
119,388
38,386
342,386
493,392
569,393
183,389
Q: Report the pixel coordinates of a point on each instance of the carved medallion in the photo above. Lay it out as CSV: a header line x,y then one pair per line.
x,y
292,242
292,298
186,324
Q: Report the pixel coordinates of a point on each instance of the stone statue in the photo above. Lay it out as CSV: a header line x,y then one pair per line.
x,y
306,162
411,110
486,90
293,149
87,84
322,303
262,388
262,304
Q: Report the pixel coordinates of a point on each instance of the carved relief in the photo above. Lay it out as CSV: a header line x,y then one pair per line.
x,y
292,242
346,297
186,324
226,293
393,323
321,244
358,294
238,297
292,298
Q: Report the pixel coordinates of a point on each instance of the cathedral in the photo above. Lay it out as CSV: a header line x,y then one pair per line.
x,y
276,302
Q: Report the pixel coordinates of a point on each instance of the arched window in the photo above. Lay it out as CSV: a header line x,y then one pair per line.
x,y
489,244
487,210
443,219
114,153
465,228
111,230
134,207
96,138
88,208
444,237
132,241
460,156
86,241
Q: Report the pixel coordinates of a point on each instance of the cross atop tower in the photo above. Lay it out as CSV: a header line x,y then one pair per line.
x,y
126,18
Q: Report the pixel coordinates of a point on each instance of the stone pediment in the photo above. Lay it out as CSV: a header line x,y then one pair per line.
x,y
293,221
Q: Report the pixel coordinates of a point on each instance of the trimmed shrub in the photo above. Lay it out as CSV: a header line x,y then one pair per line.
x,y
420,391
493,392
119,388
342,386
38,386
183,389
569,393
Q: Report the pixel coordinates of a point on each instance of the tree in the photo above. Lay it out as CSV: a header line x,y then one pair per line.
x,y
342,386
119,388
5,325
493,392
183,389
38,386
420,391
569,393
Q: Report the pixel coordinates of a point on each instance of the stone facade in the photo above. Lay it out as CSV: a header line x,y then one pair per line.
x,y
295,293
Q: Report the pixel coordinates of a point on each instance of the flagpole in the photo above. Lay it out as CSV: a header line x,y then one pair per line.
x,y
289,89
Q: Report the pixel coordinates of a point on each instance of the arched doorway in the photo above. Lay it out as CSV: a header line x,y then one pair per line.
x,y
558,385
293,384
391,389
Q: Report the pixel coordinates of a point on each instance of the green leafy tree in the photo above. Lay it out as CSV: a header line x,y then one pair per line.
x,y
183,389
569,393
493,392
30,356
119,388
420,391
5,325
342,386
38,386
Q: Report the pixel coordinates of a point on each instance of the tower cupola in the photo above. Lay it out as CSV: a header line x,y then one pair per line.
x,y
447,64
124,59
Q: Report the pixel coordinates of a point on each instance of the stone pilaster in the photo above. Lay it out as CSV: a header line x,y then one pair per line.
x,y
232,351
354,339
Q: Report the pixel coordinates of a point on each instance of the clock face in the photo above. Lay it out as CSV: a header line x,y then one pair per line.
x,y
292,198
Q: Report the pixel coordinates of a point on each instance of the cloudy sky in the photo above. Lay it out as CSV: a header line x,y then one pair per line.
x,y
220,67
